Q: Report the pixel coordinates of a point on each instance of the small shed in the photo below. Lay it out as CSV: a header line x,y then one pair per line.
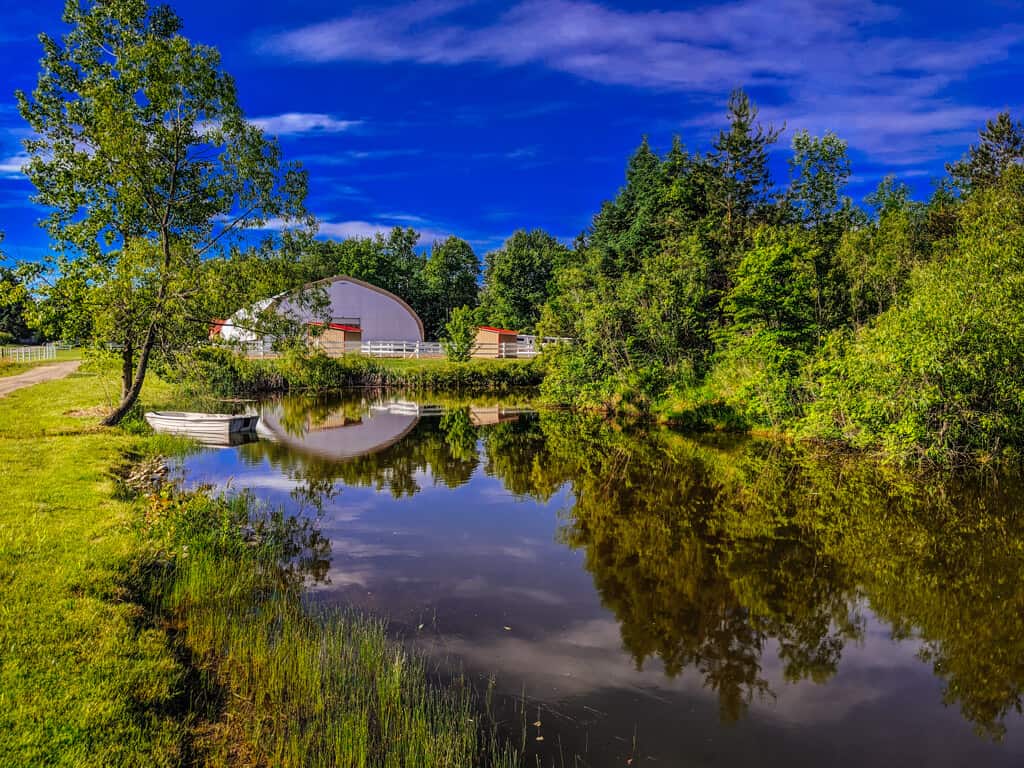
x,y
489,341
335,336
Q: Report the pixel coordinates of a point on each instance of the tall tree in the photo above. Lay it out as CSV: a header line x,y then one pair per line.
x,y
741,190
819,169
450,279
518,279
1001,146
142,155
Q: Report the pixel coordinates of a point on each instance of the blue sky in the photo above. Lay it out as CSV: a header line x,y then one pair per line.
x,y
478,118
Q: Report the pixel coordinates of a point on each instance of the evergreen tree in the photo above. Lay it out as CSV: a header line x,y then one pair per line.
x,y
1001,146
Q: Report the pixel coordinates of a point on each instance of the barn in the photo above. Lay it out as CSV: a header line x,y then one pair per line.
x,y
357,311
490,341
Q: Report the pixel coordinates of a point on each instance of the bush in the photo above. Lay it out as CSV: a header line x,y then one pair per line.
x,y
221,372
459,334
941,376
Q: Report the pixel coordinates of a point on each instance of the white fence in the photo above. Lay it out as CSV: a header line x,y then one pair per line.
x,y
524,347
28,354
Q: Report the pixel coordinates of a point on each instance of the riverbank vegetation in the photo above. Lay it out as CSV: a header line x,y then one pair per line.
x,y
708,294
221,372
146,626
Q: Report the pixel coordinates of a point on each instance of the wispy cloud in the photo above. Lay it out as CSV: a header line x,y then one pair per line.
x,y
10,167
847,65
352,156
292,123
356,228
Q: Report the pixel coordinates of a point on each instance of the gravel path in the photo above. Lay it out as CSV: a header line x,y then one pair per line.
x,y
37,375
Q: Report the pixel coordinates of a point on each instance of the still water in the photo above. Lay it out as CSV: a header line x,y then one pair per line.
x,y
654,599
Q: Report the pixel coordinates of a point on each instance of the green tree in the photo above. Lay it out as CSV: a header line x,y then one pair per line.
x,y
518,279
450,278
144,159
878,256
820,168
13,300
773,327
740,191
460,334
1001,146
938,375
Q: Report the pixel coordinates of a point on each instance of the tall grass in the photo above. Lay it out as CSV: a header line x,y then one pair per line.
x,y
224,373
305,685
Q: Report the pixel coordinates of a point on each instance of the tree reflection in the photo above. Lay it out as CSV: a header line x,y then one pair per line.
x,y
713,553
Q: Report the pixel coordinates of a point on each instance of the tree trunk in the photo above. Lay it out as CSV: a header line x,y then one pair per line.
x,y
127,369
129,397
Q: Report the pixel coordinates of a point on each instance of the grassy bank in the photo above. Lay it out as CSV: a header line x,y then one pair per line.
x,y
168,630
83,679
221,372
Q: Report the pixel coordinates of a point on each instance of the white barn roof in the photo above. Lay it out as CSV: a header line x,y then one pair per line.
x,y
380,314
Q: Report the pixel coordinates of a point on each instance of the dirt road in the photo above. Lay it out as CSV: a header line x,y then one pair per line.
x,y
37,375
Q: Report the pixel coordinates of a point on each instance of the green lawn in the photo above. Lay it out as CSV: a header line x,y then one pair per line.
x,y
83,680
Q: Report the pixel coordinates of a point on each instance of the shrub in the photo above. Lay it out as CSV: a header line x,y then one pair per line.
x,y
459,334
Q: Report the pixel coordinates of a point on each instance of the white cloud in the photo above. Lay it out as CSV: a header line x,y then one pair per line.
x,y
10,167
848,65
355,228
292,123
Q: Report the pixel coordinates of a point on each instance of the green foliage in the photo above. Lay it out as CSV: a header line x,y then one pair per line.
x,y
460,334
1001,147
221,372
518,279
143,158
878,255
450,281
15,303
939,376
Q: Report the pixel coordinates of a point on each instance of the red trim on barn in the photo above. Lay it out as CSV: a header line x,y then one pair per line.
x,y
337,326
216,326
498,330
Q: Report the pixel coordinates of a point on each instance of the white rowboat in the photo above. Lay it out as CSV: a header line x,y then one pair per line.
x,y
209,428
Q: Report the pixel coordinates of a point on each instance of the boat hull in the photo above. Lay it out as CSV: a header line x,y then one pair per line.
x,y
208,428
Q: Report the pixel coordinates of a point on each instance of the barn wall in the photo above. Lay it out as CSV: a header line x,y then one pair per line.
x,y
382,317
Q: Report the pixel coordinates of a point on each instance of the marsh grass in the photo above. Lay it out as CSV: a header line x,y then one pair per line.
x,y
306,686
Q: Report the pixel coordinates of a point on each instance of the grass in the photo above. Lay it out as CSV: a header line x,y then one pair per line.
x,y
306,686
83,680
8,368
170,630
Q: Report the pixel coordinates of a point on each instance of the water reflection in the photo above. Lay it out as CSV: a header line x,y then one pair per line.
x,y
552,549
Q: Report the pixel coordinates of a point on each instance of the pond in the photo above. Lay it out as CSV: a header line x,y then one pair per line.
x,y
652,598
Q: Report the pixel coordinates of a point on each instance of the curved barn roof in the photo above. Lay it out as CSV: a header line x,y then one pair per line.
x,y
345,278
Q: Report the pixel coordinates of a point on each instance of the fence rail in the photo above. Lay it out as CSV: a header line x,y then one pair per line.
x,y
405,349
28,354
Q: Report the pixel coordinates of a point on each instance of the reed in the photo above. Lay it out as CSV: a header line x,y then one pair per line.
x,y
303,685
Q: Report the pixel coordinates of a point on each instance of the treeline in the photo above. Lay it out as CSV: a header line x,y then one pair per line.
x,y
707,292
